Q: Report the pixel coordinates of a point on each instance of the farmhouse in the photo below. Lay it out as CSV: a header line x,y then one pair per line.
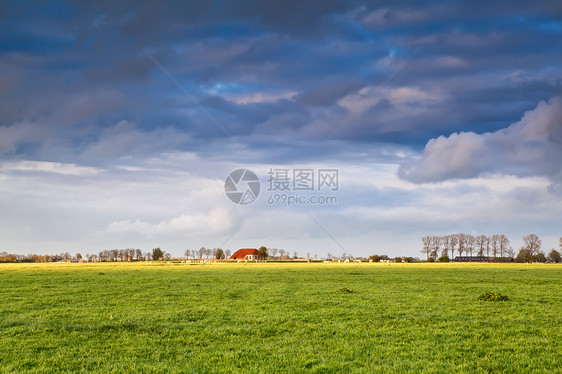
x,y
246,254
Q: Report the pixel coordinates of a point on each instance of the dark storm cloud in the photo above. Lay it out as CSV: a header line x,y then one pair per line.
x,y
271,71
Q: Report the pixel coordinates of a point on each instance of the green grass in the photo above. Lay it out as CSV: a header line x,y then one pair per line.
x,y
272,318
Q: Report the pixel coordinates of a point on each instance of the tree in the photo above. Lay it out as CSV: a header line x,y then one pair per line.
x,y
227,253
462,243
503,244
274,252
262,251
426,249
494,242
219,254
524,255
453,240
480,243
446,241
375,258
157,254
435,245
554,256
510,252
539,257
470,242
533,243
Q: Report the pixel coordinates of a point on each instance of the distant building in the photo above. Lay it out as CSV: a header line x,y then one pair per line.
x,y
482,259
249,254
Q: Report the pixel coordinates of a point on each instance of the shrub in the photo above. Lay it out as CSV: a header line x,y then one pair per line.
x,y
492,296
344,290
444,259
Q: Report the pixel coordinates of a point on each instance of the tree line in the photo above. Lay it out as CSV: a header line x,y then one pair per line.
x,y
436,248
492,247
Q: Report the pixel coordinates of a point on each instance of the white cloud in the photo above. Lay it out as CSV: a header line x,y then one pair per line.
x,y
402,98
259,97
217,221
50,167
532,146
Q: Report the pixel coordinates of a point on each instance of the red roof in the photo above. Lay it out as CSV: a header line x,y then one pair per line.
x,y
242,253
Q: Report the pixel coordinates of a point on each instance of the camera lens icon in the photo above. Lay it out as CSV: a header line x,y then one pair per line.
x,y
242,186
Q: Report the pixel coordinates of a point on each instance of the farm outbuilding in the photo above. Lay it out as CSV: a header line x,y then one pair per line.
x,y
249,254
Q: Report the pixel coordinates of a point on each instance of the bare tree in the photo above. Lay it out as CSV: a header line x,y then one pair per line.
x,y
532,243
462,243
480,243
446,241
470,242
435,245
227,253
274,252
426,241
453,240
494,243
510,252
503,244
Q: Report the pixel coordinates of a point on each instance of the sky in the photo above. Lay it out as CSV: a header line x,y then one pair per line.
x,y
121,121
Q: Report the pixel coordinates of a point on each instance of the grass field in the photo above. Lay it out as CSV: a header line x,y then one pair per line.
x,y
272,318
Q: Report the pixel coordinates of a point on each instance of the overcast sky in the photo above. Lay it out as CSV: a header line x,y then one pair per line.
x,y
120,121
